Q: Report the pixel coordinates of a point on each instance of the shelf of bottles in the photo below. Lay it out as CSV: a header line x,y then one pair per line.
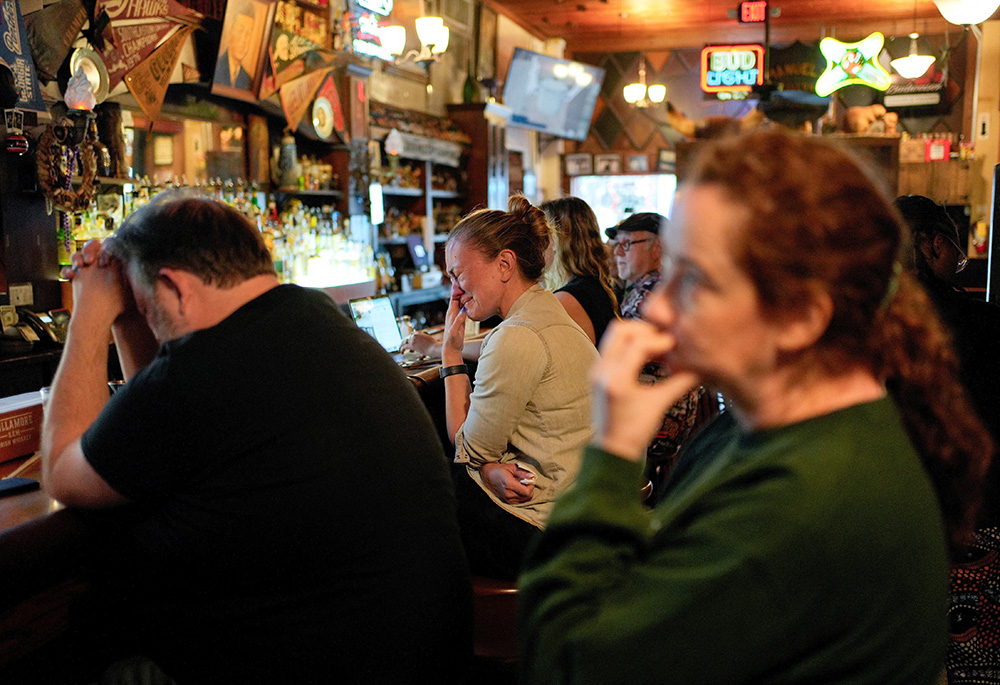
x,y
407,179
311,245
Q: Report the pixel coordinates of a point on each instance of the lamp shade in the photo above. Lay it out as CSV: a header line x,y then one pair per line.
x,y
393,39
634,92
429,30
912,66
964,12
657,92
442,41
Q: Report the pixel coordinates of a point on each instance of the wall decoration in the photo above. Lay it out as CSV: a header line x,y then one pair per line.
x,y
486,43
16,55
852,63
240,64
638,163
731,68
163,150
666,161
579,164
148,81
607,164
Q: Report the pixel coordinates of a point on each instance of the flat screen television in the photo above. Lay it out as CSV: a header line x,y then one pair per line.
x,y
551,95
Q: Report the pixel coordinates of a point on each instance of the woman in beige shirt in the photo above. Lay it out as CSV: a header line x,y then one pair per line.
x,y
518,433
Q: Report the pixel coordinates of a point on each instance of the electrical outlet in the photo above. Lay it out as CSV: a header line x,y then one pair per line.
x,y
21,295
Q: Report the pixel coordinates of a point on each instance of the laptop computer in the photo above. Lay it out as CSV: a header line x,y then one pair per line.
x,y
375,316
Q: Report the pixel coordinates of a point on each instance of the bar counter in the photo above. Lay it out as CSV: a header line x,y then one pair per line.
x,y
45,548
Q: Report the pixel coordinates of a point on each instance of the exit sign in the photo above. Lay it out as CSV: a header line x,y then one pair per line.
x,y
753,11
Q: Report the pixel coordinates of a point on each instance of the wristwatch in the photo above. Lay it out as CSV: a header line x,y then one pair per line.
x,y
446,371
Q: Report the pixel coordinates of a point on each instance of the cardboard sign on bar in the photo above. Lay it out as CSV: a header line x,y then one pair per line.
x,y
20,425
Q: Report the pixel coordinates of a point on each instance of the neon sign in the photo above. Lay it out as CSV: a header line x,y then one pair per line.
x,y
753,11
731,68
852,63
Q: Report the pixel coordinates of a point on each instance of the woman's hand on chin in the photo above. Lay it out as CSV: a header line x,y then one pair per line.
x,y
626,410
453,338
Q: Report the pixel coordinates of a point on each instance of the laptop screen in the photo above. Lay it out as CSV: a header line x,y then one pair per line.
x,y
376,316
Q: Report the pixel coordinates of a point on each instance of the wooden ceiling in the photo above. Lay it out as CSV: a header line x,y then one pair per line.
x,y
623,25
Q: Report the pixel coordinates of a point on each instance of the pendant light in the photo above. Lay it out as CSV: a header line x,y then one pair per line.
x,y
639,95
965,12
913,65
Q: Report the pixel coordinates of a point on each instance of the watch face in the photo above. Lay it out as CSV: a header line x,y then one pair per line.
x,y
322,117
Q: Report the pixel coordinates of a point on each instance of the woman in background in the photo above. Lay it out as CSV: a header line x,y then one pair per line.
x,y
518,435
803,536
579,274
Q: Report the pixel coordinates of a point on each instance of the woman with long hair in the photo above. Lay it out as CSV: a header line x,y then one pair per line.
x,y
804,533
519,433
579,274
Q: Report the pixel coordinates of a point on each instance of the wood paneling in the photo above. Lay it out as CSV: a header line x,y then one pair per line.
x,y
619,25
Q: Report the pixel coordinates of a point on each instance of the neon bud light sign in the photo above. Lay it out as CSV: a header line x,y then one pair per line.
x,y
731,68
852,63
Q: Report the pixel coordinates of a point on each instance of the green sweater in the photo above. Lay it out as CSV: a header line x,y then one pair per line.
x,y
810,553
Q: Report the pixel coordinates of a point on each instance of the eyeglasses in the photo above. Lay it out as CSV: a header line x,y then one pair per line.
x,y
626,245
963,258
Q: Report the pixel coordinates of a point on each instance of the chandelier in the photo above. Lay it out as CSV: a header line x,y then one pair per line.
x,y
641,95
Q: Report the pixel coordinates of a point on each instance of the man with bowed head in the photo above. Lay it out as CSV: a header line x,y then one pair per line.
x,y
250,459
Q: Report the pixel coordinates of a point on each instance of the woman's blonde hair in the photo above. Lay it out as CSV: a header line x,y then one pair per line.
x,y
577,246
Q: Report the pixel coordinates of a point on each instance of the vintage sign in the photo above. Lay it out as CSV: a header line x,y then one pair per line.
x,y
329,91
16,54
731,68
797,66
133,44
852,64
420,147
148,81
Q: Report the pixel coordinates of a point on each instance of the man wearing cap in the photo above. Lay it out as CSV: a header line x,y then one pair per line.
x,y
636,247
635,244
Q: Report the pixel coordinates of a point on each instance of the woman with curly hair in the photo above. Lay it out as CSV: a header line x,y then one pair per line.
x,y
579,274
803,536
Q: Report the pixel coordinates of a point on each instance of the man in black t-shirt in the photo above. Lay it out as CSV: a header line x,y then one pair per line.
x,y
290,516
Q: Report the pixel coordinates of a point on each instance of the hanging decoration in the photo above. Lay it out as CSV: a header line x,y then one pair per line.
x,y
148,81
296,95
852,63
15,54
59,158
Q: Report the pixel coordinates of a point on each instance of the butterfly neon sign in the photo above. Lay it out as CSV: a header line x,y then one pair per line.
x,y
852,63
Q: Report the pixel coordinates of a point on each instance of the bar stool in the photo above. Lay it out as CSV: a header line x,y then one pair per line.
x,y
495,606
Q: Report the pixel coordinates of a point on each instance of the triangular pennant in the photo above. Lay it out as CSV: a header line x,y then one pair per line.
x,y
329,91
124,11
296,96
16,54
51,32
132,44
148,81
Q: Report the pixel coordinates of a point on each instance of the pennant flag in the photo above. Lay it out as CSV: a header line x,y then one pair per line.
x,y
16,54
298,94
329,91
122,11
148,81
132,44
51,32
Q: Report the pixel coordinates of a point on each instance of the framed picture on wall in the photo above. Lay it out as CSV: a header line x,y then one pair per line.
x,y
239,66
638,163
486,43
607,164
579,164
666,161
